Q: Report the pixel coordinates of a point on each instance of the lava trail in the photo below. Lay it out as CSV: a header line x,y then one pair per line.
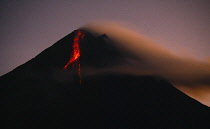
x,y
76,53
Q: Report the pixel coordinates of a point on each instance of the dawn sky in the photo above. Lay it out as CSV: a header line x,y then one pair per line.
x,y
28,27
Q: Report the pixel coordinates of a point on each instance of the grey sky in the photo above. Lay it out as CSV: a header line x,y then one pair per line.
x,y
28,27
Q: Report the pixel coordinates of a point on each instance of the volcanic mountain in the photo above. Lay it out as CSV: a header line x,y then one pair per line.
x,y
75,84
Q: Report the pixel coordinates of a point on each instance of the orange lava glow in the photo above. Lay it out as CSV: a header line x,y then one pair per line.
x,y
76,53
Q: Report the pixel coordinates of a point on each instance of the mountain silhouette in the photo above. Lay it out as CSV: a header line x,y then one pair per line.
x,y
43,93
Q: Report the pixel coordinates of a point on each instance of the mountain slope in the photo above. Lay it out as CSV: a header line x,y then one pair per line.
x,y
41,94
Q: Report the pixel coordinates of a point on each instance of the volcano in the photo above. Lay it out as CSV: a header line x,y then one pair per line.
x,y
70,85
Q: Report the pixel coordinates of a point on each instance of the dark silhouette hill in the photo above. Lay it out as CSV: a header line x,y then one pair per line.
x,y
41,94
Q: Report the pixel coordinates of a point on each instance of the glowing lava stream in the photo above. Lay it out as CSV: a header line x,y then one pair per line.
x,y
76,53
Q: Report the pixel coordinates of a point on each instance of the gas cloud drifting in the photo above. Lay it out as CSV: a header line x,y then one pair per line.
x,y
145,57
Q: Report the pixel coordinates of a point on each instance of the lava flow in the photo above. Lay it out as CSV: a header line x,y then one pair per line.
x,y
76,53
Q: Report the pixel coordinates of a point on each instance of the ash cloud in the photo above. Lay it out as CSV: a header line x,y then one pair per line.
x,y
144,57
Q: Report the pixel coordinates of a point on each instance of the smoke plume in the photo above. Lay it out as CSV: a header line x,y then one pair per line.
x,y
144,57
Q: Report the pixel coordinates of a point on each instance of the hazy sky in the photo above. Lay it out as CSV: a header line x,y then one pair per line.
x,y
30,26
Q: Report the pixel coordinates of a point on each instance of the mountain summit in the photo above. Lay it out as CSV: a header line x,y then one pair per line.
x,y
79,83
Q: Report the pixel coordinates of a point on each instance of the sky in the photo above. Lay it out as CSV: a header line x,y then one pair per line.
x,y
28,26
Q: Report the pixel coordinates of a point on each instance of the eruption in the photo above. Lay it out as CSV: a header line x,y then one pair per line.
x,y
76,52
126,83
